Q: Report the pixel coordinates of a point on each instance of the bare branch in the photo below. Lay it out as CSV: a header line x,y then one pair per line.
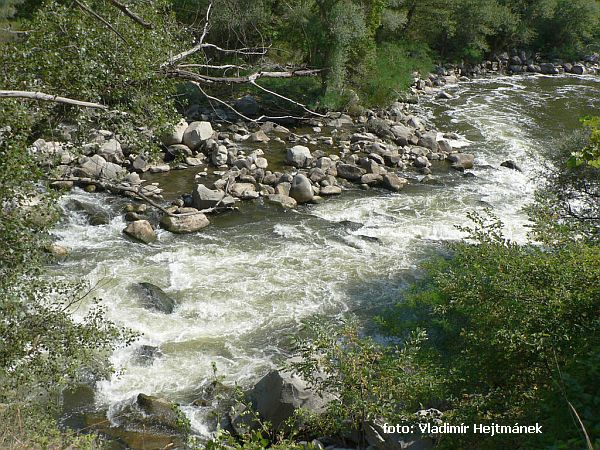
x,y
258,51
207,79
131,14
259,119
197,47
211,66
98,17
49,98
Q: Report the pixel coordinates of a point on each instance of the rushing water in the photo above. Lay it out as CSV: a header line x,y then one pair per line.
x,y
245,283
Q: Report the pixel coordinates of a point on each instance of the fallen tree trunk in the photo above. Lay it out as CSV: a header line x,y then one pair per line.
x,y
50,98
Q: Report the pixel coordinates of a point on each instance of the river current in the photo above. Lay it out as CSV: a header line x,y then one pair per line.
x,y
245,283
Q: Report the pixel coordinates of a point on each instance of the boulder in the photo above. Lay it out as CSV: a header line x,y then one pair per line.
x,y
429,140
298,156
578,69
219,155
548,69
242,190
278,394
153,297
379,127
259,136
282,200
184,223
301,189
140,163
393,182
283,188
510,164
330,190
179,151
247,106
111,151
141,230
402,134
196,133
261,163
175,136
421,162
461,160
95,215
204,198
350,172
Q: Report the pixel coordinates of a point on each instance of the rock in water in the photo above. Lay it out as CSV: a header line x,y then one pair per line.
x,y
284,201
461,161
510,164
175,136
153,297
188,222
350,172
141,230
301,189
298,156
278,394
196,133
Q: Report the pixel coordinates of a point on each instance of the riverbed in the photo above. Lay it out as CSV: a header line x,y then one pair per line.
x,y
244,284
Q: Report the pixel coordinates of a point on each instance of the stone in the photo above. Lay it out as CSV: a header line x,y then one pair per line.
x,y
371,179
330,190
111,151
429,140
196,133
140,163
284,201
94,214
393,182
283,188
578,69
510,164
240,190
140,230
92,166
421,162
179,151
350,172
159,411
444,146
219,155
154,298
301,189
175,136
443,95
548,69
261,163
194,162
57,251
316,175
188,223
278,394
402,134
259,136
204,198
298,156
159,168
247,106
461,160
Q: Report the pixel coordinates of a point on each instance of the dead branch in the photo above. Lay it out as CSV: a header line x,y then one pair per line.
x,y
207,79
125,10
197,47
49,98
124,190
98,17
211,66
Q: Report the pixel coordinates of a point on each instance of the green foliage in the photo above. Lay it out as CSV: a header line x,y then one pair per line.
x,y
367,380
590,154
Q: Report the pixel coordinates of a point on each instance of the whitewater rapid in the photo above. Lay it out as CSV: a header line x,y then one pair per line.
x,y
244,284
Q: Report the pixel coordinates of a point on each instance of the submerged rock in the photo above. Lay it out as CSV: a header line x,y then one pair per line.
x,y
510,164
153,297
95,215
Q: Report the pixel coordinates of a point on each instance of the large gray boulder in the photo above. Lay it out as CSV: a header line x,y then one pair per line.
x,y
278,394
461,161
196,133
301,189
402,134
111,151
393,182
141,230
350,172
190,221
154,298
175,136
97,167
429,140
94,214
298,156
219,155
548,69
204,198
283,201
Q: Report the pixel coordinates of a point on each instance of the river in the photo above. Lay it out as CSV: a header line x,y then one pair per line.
x,y
246,282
